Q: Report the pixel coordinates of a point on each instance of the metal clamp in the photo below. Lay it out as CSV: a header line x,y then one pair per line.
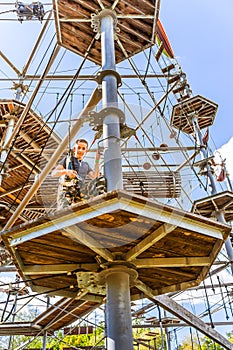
x,y
100,76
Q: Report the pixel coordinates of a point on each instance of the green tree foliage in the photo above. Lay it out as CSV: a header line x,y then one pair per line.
x,y
205,343
190,344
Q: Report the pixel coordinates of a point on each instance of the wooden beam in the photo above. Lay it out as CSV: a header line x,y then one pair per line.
x,y
171,262
63,313
67,293
163,290
10,64
56,269
9,195
61,305
19,328
154,237
76,234
60,223
185,315
6,193
194,321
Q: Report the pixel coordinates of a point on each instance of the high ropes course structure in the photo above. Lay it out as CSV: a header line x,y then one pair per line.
x,y
159,238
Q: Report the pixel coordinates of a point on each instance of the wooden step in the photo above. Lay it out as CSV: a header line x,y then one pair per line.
x,y
168,68
173,79
159,52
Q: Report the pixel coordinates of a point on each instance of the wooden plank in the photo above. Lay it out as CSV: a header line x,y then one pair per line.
x,y
57,269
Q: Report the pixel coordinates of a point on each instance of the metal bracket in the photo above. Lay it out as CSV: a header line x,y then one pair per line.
x,y
89,281
98,117
96,20
94,282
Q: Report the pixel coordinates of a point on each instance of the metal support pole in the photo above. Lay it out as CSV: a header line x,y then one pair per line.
x,y
118,311
45,333
219,215
13,319
204,155
228,244
111,124
168,335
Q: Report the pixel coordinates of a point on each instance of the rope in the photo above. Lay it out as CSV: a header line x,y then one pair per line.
x,y
66,92
47,85
229,299
13,142
191,337
161,327
208,306
211,281
223,299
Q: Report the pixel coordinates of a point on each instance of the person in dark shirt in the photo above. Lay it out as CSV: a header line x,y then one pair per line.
x,y
73,172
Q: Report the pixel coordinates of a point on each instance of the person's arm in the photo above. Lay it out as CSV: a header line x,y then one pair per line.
x,y
93,174
60,170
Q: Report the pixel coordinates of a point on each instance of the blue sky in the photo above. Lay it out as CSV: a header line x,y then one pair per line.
x,y
201,34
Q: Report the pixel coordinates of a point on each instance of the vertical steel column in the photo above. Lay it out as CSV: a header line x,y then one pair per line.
x,y
118,311
219,215
204,154
45,334
19,90
111,124
228,244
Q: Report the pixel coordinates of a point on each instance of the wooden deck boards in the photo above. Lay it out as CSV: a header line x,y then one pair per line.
x,y
167,247
218,202
75,33
200,107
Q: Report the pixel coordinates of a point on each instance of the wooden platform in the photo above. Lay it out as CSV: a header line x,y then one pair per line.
x,y
208,206
136,23
168,249
26,158
198,106
60,315
63,313
18,328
